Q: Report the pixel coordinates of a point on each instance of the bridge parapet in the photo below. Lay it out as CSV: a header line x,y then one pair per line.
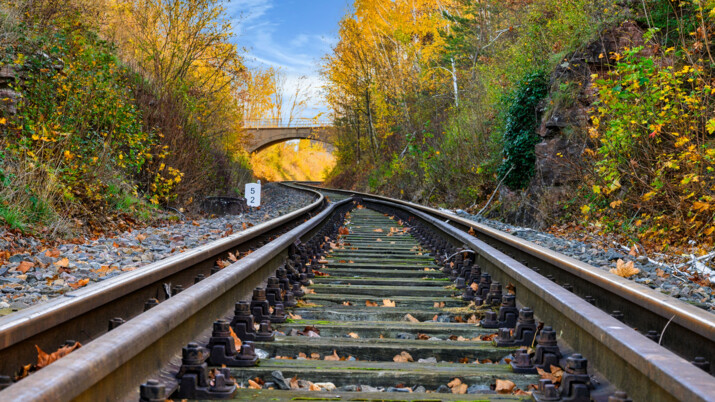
x,y
281,123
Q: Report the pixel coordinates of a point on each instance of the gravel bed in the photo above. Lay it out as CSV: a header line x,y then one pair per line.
x,y
654,274
56,271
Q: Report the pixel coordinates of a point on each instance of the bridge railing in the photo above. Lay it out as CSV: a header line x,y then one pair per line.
x,y
284,123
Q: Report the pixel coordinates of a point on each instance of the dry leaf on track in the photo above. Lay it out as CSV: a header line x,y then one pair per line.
x,y
504,386
25,266
388,303
344,231
378,239
54,253
458,387
63,263
410,318
44,359
474,286
79,283
295,316
439,304
353,335
347,303
236,340
403,357
378,230
253,385
555,374
370,303
294,383
333,357
624,269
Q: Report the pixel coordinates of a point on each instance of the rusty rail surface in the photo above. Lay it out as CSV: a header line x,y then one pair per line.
x,y
641,365
82,315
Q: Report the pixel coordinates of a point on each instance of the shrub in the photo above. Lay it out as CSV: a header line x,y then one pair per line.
x,y
522,119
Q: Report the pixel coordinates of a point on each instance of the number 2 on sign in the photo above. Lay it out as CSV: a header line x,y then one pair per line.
x,y
253,194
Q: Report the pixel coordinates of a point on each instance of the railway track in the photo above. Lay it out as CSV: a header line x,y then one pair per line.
x,y
391,312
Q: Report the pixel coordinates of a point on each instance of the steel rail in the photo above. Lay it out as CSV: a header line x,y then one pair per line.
x,y
692,330
628,359
83,314
111,366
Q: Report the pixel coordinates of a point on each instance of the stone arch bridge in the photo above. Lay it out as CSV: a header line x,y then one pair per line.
x,y
264,133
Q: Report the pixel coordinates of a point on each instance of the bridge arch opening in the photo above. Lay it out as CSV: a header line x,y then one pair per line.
x,y
293,159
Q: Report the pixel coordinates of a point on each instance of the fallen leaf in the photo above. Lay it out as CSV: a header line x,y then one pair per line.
x,y
244,226
333,357
294,383
313,387
460,389
63,263
236,339
378,239
140,237
403,357
474,286
521,392
634,251
54,253
79,283
473,319
504,386
378,230
454,383
555,374
410,318
388,303
347,303
315,356
195,223
25,266
471,231
232,257
45,359
624,269
353,335
423,337
295,316
343,230
252,384
439,304
370,303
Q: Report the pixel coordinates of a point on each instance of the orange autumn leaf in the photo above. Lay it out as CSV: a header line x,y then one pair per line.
x,y
388,303
624,269
343,230
79,283
253,385
54,253
504,386
370,303
63,263
236,339
25,266
333,357
403,357
45,359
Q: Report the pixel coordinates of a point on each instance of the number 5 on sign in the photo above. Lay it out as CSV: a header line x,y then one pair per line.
x,y
253,194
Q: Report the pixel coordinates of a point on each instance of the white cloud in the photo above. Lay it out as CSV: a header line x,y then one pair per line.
x,y
297,57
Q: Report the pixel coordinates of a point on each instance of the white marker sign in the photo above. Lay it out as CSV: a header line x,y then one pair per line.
x,y
253,194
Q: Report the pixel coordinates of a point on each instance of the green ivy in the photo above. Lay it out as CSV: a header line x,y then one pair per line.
x,y
522,119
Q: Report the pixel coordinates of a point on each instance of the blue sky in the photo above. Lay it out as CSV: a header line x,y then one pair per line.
x,y
291,34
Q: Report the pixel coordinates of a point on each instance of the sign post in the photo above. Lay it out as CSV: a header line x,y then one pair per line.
x,y
253,194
